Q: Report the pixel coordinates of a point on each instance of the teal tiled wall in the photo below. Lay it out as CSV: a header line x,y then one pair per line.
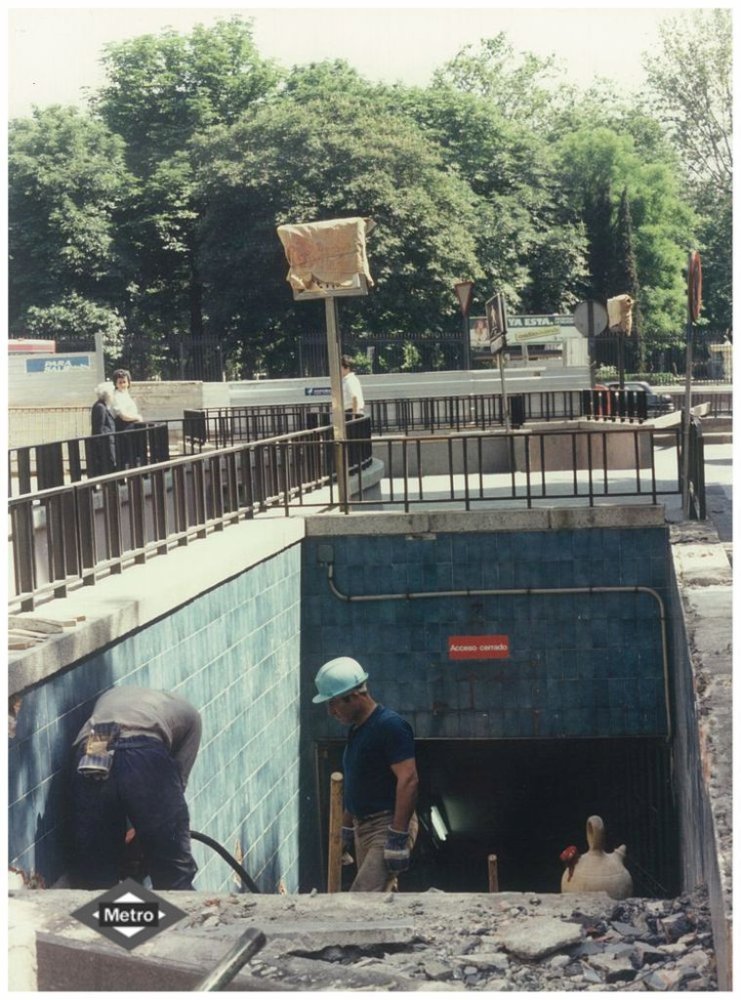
x,y
234,652
579,665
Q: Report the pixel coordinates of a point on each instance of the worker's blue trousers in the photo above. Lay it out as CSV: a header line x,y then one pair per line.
x,y
144,789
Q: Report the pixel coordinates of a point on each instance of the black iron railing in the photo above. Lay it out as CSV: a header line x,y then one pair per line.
x,y
44,466
228,425
54,463
74,534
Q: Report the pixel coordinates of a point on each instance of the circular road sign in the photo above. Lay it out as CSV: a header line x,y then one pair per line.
x,y
590,318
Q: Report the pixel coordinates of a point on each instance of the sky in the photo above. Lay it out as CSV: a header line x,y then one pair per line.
x,y
54,52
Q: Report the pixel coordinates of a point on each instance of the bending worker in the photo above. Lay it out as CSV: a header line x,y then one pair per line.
x,y
380,777
132,761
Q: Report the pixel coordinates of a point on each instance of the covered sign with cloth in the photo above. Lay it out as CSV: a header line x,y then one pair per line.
x,y
327,258
620,313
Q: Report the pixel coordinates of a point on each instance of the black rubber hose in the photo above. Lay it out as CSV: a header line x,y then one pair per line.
x,y
216,846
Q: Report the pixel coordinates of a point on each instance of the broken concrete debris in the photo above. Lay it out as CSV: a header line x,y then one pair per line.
x,y
421,942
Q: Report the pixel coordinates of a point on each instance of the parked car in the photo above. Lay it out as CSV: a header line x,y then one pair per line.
x,y
657,403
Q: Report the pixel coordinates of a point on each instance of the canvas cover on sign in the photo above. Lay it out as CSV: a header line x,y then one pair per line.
x,y
326,255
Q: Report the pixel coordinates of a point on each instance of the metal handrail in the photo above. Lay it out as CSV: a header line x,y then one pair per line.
x,y
148,511
53,463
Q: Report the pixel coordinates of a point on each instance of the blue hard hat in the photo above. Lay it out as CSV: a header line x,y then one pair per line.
x,y
337,677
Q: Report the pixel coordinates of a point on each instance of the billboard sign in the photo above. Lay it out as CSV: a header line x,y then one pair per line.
x,y
59,363
520,330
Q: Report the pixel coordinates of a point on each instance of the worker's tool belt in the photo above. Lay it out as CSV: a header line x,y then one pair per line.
x,y
97,756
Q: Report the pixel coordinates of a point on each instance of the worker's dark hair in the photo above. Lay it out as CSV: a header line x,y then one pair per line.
x,y
347,362
120,373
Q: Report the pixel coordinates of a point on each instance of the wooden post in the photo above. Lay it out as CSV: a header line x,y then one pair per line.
x,y
493,874
334,863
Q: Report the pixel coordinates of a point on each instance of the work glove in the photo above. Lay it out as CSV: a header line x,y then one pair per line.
x,y
348,845
396,851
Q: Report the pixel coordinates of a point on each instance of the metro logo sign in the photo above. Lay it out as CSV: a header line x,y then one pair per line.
x,y
478,647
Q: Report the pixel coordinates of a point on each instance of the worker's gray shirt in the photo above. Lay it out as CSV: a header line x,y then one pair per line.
x,y
144,712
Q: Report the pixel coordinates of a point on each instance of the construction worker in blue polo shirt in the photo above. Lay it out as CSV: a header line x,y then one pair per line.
x,y
380,777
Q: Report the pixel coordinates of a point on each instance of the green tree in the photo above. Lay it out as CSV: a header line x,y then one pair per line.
x,y
74,321
597,159
691,81
336,155
163,91
66,183
625,280
691,85
529,244
519,85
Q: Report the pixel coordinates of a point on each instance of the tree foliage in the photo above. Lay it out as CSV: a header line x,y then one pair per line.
x,y
66,182
691,80
156,212
348,158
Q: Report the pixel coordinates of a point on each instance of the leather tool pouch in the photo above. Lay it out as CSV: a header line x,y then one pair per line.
x,y
97,758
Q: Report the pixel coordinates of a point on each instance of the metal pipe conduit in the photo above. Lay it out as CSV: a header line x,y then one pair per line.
x,y
528,592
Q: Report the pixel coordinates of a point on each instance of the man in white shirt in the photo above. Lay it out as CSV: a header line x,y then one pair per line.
x,y
352,393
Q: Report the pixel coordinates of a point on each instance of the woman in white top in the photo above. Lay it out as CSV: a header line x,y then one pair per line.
x,y
133,451
123,406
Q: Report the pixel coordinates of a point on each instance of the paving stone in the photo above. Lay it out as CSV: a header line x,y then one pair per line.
x,y
675,926
490,960
626,930
647,954
437,970
614,968
540,936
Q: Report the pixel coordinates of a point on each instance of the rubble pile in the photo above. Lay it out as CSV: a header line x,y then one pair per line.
x,y
395,942
509,942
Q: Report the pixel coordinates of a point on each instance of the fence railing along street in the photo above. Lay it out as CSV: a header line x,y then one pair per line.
x,y
43,466
72,535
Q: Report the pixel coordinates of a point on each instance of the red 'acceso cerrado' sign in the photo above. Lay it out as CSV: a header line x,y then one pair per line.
x,y
478,647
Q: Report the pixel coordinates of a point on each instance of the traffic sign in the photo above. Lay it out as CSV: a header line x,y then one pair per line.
x,y
496,321
464,291
590,318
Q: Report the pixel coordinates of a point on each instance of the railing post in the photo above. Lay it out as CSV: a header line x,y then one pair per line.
x,y
24,551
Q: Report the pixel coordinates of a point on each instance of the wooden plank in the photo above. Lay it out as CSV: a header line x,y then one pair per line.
x,y
36,624
20,643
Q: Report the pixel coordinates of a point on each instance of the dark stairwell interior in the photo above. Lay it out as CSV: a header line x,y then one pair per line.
x,y
525,801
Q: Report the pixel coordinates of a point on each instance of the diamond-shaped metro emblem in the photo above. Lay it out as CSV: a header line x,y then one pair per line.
x,y
128,914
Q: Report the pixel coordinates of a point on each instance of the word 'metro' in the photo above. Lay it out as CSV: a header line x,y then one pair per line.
x,y
129,914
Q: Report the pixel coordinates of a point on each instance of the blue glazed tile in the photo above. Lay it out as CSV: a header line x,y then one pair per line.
x,y
599,633
580,546
526,723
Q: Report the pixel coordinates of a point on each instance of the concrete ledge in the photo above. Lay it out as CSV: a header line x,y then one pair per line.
x,y
704,744
119,604
542,519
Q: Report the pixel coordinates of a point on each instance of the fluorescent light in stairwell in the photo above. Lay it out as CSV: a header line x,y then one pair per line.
x,y
438,823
